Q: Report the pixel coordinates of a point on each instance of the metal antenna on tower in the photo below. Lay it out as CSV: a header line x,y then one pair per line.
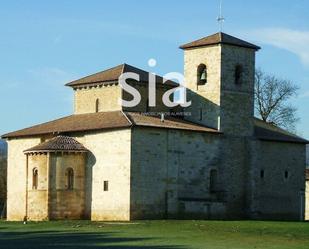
x,y
220,18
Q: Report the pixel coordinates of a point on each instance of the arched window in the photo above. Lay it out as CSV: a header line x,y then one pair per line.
x,y
213,180
201,74
97,105
35,180
70,178
238,74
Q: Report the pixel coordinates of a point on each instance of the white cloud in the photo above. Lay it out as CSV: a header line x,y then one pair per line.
x,y
50,76
43,77
53,79
295,41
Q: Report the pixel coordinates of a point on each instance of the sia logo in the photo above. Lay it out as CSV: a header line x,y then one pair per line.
x,y
166,98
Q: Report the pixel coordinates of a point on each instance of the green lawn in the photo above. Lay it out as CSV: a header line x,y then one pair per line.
x,y
154,235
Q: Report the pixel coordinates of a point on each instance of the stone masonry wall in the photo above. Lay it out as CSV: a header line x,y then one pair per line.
x,y
276,196
237,100
142,106
67,203
171,174
37,203
221,103
165,173
204,98
109,160
85,99
16,182
3,176
109,96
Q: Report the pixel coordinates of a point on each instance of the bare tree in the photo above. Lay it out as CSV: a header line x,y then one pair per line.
x,y
272,100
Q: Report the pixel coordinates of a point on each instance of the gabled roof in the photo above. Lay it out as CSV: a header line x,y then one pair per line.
x,y
138,119
219,38
106,120
75,123
269,132
122,120
113,74
58,144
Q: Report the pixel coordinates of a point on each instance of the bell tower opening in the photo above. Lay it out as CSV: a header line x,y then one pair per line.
x,y
201,74
238,74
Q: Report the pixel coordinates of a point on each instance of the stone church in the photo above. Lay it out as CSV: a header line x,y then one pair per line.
x,y
211,160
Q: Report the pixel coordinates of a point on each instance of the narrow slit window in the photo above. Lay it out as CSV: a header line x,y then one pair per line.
x,y
70,179
147,105
262,174
286,174
35,178
201,114
213,180
97,105
238,75
105,186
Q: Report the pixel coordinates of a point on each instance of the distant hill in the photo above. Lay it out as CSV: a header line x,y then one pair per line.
x,y
307,156
3,148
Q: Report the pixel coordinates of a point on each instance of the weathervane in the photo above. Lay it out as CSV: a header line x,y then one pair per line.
x,y
220,18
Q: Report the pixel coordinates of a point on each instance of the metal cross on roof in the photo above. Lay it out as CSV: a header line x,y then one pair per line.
x,y
220,18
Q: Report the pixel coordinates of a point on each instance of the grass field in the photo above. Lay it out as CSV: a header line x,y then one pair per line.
x,y
154,235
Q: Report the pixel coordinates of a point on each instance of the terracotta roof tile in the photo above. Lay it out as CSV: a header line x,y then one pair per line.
x,y
219,38
106,120
113,74
108,75
169,122
118,119
75,123
59,143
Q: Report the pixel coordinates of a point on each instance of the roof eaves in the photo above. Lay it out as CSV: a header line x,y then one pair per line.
x,y
222,38
178,128
219,43
282,140
8,136
54,151
95,83
73,83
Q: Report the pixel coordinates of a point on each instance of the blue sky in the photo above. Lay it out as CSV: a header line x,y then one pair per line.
x,y
44,44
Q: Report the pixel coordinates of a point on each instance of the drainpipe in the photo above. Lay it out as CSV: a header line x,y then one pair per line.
x,y
302,202
26,196
47,184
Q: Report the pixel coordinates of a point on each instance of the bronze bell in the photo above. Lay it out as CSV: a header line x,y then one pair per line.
x,y
203,77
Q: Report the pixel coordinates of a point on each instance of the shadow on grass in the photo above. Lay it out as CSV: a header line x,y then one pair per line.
x,y
72,240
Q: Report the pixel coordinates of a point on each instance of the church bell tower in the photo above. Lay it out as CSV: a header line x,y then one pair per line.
x,y
219,76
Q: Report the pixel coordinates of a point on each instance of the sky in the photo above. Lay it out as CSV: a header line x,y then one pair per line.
x,y
45,44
